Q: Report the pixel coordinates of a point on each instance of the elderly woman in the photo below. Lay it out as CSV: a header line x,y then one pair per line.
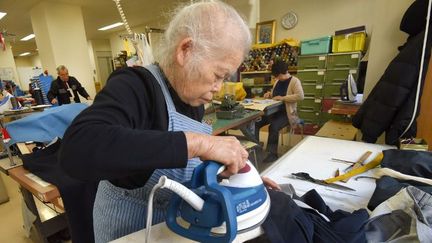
x,y
147,121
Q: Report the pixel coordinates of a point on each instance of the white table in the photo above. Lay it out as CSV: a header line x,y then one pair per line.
x,y
311,155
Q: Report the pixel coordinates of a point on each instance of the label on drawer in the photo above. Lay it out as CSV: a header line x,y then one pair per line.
x,y
321,58
354,56
320,72
352,71
317,100
319,86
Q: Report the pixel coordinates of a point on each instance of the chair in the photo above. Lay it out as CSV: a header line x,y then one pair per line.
x,y
292,131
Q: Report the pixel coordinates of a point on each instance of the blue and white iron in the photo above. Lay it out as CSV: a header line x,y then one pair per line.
x,y
215,211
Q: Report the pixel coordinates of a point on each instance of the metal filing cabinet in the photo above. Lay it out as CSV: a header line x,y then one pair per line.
x,y
343,60
321,77
311,62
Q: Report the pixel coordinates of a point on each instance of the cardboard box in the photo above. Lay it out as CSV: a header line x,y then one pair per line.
x,y
418,144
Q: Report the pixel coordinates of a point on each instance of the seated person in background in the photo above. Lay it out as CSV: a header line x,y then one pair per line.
x,y
287,89
60,90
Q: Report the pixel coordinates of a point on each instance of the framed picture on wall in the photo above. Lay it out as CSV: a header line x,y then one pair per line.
x,y
265,32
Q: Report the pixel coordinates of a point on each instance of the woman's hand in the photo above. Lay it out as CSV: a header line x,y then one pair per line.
x,y
226,150
270,184
267,95
278,98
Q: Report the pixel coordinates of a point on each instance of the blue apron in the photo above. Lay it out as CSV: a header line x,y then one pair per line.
x,y
118,211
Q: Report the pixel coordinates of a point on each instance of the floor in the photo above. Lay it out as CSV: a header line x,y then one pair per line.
x,y
11,220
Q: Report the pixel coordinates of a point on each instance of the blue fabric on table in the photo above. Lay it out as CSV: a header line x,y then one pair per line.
x,y
44,126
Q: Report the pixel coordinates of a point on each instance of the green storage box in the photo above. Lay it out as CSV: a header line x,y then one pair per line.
x,y
312,90
315,46
311,77
338,76
345,60
308,115
311,62
309,103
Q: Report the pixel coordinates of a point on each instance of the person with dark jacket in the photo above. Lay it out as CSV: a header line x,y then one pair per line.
x,y
61,88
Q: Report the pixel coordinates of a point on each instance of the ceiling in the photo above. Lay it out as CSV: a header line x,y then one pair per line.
x,y
96,13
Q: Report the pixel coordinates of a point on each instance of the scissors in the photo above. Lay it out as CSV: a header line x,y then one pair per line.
x,y
306,177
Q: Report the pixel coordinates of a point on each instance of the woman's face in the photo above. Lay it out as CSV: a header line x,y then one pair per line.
x,y
197,88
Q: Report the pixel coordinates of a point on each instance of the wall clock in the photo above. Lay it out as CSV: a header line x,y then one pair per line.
x,y
289,20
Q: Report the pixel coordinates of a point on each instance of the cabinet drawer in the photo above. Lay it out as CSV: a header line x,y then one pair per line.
x,y
312,89
311,62
338,76
331,91
309,116
346,60
309,103
311,77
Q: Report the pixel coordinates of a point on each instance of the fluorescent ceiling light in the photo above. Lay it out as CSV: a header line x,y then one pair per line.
x,y
29,37
2,15
110,26
24,54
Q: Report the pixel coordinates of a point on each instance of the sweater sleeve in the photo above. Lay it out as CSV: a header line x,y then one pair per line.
x,y
116,136
294,92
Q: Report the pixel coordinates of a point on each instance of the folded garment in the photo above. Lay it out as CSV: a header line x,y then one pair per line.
x,y
287,222
410,162
405,217
386,187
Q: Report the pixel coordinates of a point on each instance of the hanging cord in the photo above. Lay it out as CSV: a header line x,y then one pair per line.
x,y
186,194
128,29
421,70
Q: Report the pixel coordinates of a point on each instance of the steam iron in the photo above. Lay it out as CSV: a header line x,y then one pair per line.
x,y
230,206
349,89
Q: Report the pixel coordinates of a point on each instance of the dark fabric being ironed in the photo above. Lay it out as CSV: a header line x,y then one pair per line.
x,y
415,163
288,222
78,197
410,162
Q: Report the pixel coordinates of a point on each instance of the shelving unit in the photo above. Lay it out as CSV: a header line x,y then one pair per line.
x,y
256,83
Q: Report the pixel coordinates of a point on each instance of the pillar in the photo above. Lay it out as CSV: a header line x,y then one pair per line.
x,y
61,40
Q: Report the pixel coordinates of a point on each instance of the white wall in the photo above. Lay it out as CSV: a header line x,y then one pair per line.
x,y
28,61
317,18
61,39
95,47
23,61
385,38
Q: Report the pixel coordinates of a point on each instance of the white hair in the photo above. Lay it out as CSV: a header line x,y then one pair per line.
x,y
215,28
61,68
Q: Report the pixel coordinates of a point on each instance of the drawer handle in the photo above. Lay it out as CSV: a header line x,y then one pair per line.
x,y
341,65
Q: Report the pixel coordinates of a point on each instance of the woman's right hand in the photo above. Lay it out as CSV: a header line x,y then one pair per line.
x,y
223,149
267,95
